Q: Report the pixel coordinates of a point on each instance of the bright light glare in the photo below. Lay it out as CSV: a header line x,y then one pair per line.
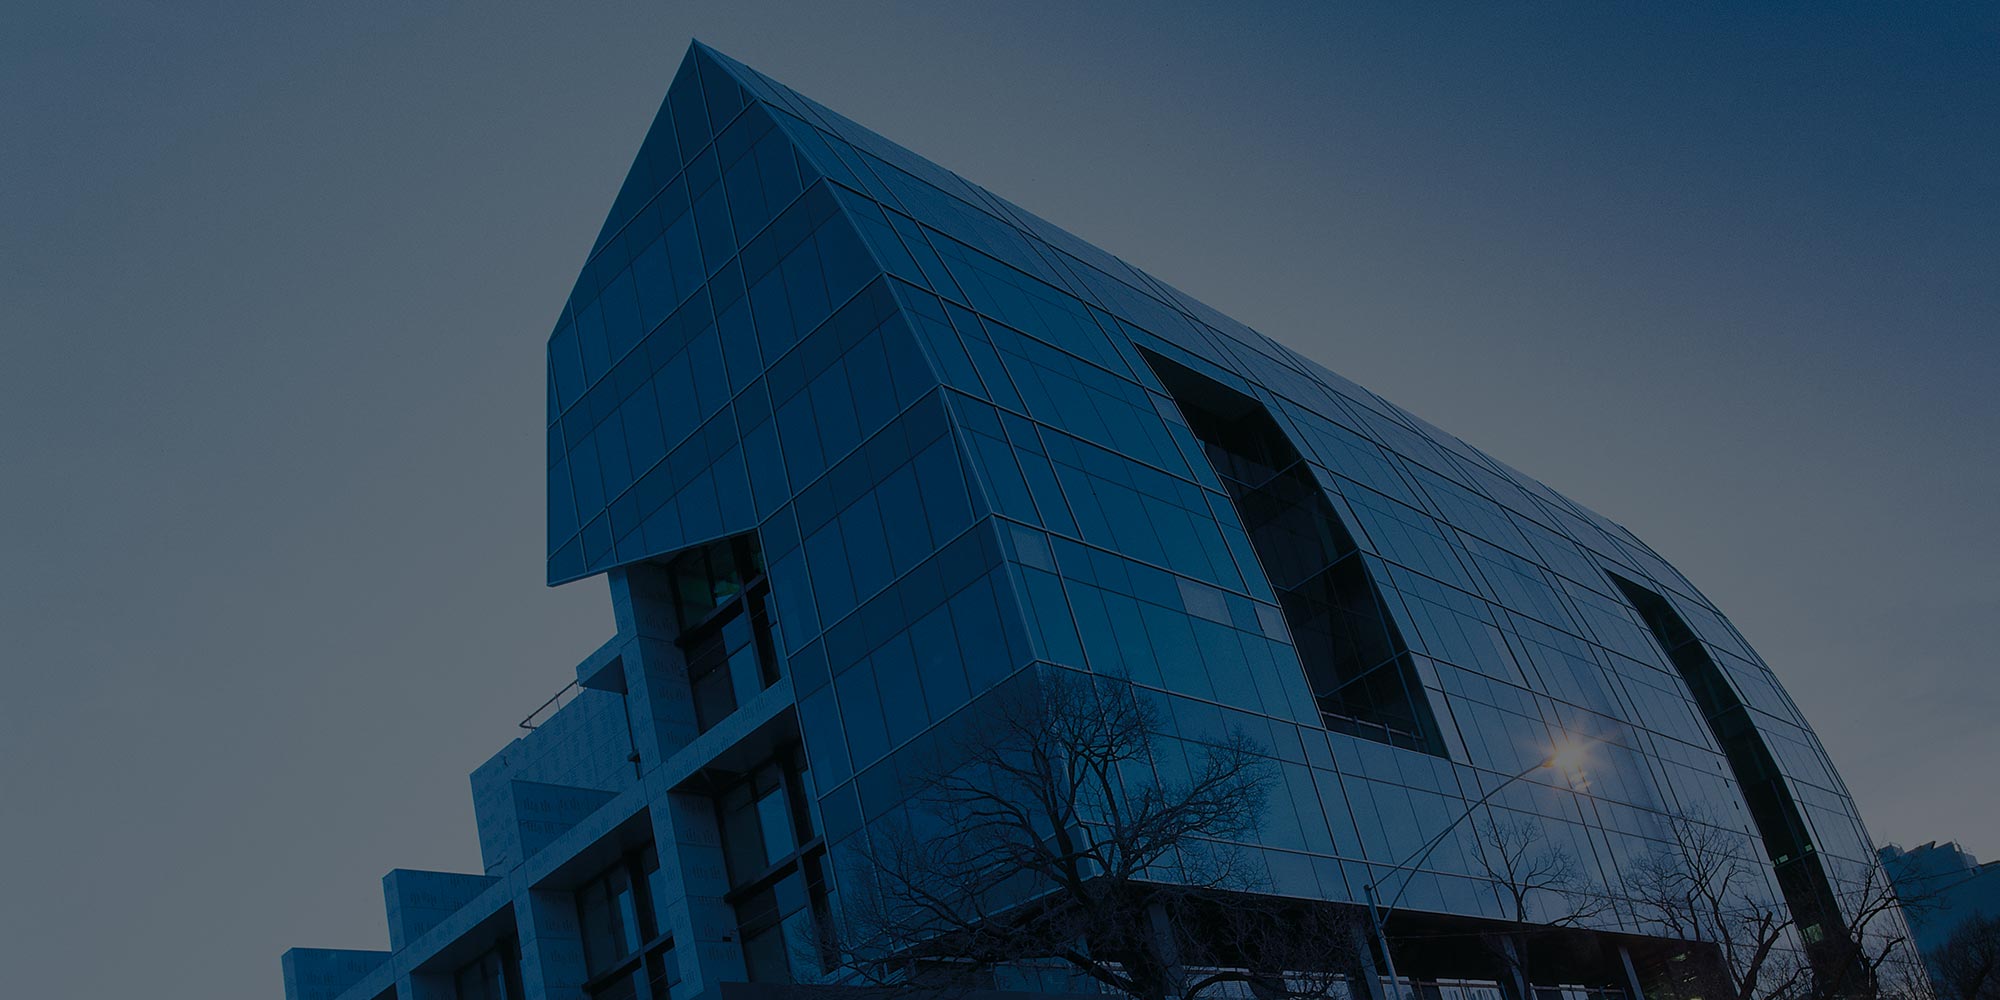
x,y
1568,755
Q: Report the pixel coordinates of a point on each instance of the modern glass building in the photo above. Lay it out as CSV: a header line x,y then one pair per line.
x,y
856,441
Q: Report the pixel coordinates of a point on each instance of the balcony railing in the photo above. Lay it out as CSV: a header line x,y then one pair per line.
x,y
552,706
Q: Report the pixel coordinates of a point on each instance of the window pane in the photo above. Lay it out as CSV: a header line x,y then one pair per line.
x,y
708,675
742,844
801,938
656,892
494,975
626,910
776,823
764,957
663,970
594,915
746,672
625,987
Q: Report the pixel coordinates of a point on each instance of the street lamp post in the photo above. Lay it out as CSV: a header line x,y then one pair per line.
x,y
1564,757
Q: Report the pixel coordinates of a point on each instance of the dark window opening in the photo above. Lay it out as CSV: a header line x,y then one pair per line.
x,y
1355,659
663,972
494,975
723,602
780,924
775,860
656,978
618,915
706,579
764,817
626,984
1801,875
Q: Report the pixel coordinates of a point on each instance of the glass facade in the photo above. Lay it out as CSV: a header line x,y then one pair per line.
x,y
968,442
868,435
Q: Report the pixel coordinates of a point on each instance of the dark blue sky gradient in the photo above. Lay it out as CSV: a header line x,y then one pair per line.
x,y
278,278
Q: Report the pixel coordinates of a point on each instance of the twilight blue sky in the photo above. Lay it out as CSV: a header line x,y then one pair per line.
x,y
277,279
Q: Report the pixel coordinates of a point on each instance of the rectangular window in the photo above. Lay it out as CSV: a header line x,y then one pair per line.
x,y
723,601
780,925
765,819
617,914
494,975
774,858
626,985
663,972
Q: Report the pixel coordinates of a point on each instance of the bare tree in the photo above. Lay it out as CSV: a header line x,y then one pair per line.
x,y
1057,828
1968,963
1873,958
1699,888
1541,884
